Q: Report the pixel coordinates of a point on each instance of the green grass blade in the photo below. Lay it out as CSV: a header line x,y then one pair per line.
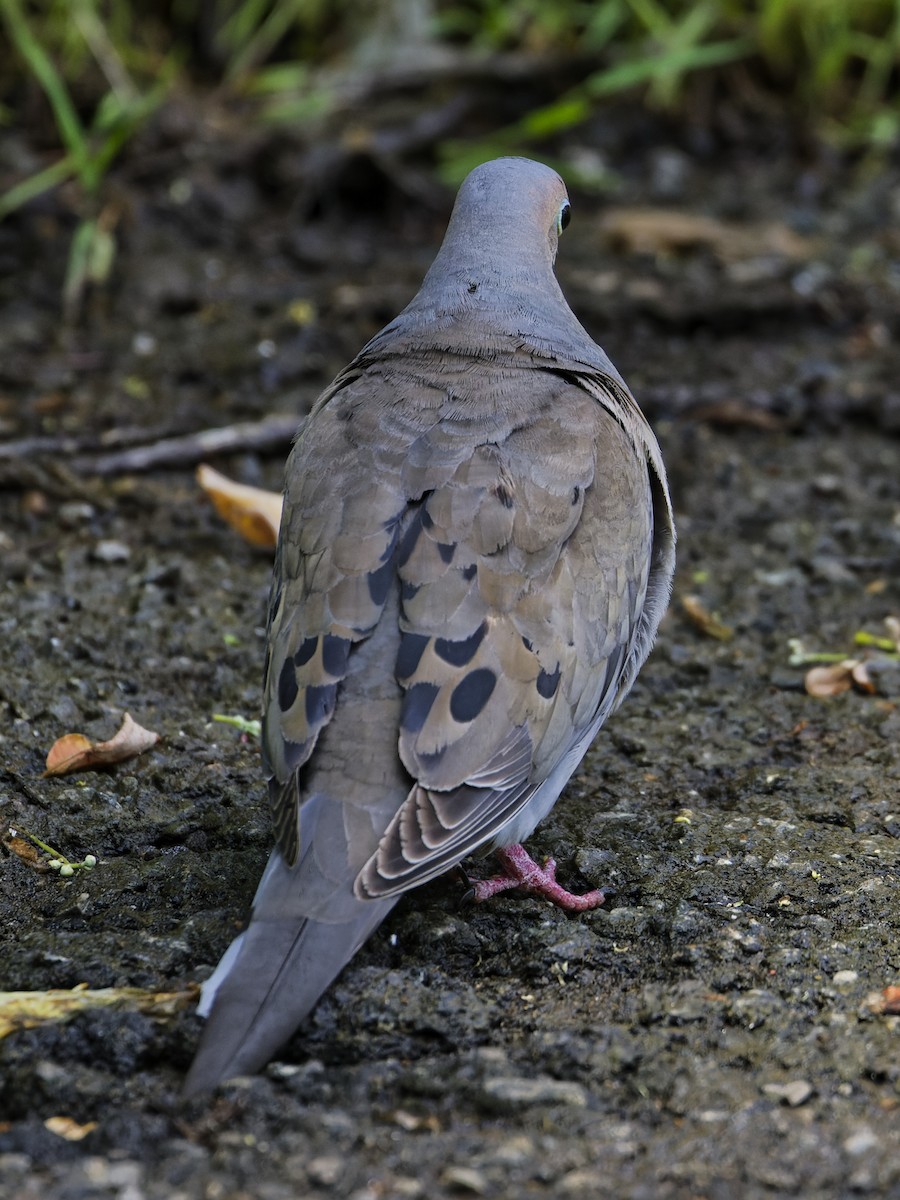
x,y
36,184
70,128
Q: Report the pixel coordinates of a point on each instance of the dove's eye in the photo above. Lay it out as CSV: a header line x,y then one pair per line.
x,y
564,216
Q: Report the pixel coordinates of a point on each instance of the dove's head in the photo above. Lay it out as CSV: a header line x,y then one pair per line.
x,y
492,284
503,231
512,206
509,211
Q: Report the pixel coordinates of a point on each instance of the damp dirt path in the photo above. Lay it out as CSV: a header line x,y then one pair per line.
x,y
718,1028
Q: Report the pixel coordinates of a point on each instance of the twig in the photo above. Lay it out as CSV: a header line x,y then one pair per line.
x,y
191,448
66,445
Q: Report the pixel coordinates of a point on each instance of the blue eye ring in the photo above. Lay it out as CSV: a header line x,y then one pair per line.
x,y
564,216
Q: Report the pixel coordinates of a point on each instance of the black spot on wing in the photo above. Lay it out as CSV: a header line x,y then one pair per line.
x,y
547,684
417,705
458,654
470,571
335,652
427,522
409,590
471,694
393,527
320,703
412,647
287,686
305,652
446,550
295,754
379,583
409,539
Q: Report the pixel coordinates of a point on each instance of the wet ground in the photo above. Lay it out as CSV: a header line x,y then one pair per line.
x,y
716,1030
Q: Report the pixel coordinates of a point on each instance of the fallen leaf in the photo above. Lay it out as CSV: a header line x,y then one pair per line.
x,y
736,412
666,230
253,512
861,678
75,752
65,1127
706,622
27,852
886,1002
26,1010
830,680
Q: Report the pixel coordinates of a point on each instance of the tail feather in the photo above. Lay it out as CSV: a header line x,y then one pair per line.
x,y
272,976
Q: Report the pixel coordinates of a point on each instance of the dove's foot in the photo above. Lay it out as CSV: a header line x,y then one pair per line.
x,y
521,871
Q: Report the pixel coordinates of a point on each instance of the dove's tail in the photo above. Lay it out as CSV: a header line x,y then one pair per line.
x,y
272,975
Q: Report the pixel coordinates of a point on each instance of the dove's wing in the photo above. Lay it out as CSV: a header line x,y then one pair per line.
x,y
522,538
525,580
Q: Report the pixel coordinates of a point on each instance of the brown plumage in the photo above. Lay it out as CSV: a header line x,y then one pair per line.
x,y
476,550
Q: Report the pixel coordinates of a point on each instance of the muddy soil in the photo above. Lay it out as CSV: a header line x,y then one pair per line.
x,y
717,1030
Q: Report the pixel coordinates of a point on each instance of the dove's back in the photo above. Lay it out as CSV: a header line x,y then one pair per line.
x,y
475,553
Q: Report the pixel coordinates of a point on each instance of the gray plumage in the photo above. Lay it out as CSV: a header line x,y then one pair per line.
x,y
475,553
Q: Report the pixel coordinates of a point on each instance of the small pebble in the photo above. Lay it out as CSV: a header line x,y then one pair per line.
x,y
465,1179
862,1141
74,513
110,551
513,1092
325,1170
795,1093
842,978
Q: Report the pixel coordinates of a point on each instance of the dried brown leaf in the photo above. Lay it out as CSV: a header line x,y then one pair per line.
x,y
830,680
705,621
253,512
859,673
75,752
66,1127
27,852
885,1002
735,412
665,230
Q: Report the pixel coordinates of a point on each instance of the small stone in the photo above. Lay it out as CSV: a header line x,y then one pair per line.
x,y
842,978
110,551
143,345
582,1182
14,1165
862,1141
74,513
325,1170
405,1188
795,1093
465,1179
513,1092
514,1152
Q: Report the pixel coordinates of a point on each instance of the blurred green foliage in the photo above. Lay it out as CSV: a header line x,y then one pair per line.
x,y
103,66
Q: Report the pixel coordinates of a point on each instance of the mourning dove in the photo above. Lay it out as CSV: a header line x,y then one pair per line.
x,y
476,550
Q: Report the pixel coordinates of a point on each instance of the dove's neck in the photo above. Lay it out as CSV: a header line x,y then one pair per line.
x,y
492,264
478,299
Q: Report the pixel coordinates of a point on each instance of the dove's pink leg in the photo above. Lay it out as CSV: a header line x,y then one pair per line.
x,y
523,872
